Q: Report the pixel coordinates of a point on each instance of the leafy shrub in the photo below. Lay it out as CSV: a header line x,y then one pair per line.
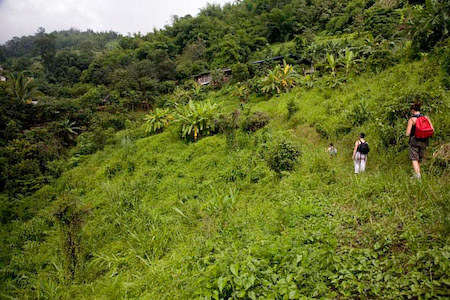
x,y
240,72
292,108
358,114
92,141
430,24
380,59
197,119
158,120
228,125
116,122
70,216
255,121
242,91
321,130
113,169
282,156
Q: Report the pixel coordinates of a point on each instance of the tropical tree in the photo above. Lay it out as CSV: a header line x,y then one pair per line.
x,y
280,79
197,119
24,87
45,46
158,120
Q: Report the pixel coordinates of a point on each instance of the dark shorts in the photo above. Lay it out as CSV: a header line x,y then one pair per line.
x,y
417,149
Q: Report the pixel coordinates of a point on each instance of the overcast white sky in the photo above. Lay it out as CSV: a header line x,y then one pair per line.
x,y
24,17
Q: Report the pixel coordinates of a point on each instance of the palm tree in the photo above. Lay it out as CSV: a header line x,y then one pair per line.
x,y
24,87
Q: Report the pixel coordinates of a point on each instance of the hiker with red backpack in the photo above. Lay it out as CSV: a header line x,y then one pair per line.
x,y
419,129
360,154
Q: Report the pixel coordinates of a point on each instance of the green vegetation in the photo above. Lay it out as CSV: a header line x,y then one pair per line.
x,y
164,224
197,119
122,178
157,121
280,79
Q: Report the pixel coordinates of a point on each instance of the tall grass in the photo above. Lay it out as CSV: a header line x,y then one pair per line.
x,y
170,220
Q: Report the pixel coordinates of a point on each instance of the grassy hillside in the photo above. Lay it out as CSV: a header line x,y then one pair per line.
x,y
157,218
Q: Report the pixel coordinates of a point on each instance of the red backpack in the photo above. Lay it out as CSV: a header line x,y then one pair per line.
x,y
423,128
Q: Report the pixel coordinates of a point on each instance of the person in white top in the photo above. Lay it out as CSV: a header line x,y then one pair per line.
x,y
332,151
360,154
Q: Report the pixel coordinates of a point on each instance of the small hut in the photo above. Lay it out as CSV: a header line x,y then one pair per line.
x,y
205,78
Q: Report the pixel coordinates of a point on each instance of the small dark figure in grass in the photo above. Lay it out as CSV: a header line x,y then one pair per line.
x,y
360,152
419,129
331,150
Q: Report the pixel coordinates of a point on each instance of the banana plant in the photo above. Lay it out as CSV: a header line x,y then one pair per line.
x,y
197,119
270,82
68,129
158,120
348,59
332,63
280,79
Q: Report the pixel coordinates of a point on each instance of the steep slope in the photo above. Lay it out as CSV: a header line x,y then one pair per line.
x,y
156,218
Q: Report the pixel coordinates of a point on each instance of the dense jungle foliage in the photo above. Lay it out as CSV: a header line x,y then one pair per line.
x,y
122,177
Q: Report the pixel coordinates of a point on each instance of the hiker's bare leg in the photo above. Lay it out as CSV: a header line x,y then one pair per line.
x,y
416,166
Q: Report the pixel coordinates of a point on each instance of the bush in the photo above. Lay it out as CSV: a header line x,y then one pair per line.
x,y
240,72
380,59
228,123
255,121
292,108
91,141
116,122
282,156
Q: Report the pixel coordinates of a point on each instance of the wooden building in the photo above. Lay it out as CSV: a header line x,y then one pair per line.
x,y
205,78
